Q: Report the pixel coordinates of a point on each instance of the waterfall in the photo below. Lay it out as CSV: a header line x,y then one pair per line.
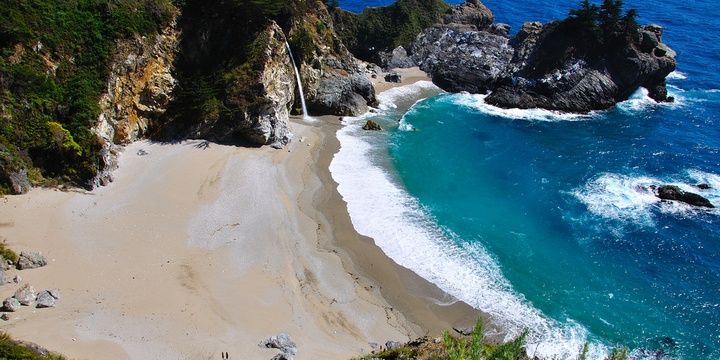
x,y
300,86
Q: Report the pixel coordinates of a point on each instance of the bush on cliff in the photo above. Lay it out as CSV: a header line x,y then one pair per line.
x,y
53,68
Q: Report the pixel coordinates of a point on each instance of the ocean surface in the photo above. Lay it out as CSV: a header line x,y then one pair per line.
x,y
543,220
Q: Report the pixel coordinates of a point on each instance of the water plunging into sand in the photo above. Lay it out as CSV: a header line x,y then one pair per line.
x,y
300,86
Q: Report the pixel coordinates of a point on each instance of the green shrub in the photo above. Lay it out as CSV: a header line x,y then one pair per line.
x,y
13,350
7,253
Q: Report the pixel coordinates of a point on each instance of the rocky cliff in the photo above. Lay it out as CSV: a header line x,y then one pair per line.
x,y
139,90
574,65
335,81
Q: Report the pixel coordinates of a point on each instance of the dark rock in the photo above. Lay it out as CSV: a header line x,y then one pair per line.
x,y
25,295
472,61
30,260
282,342
703,186
11,304
464,331
393,77
45,300
5,317
281,356
142,152
392,345
372,126
674,193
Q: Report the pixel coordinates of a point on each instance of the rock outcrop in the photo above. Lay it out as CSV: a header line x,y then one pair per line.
x,y
542,75
139,90
335,81
674,193
472,61
470,15
559,66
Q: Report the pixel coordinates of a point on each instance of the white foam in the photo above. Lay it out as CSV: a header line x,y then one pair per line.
x,y
630,198
477,102
389,97
640,100
383,210
676,75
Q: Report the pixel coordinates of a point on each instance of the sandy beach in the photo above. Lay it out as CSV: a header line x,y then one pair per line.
x,y
197,249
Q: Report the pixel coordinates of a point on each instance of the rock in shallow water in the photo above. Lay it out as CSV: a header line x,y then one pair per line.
x,y
371,126
674,193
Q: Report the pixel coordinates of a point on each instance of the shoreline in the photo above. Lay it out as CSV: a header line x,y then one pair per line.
x,y
211,249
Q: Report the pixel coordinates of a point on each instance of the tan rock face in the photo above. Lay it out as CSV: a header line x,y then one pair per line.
x,y
139,90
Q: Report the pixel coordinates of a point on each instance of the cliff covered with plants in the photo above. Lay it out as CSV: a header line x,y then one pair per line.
x,y
54,63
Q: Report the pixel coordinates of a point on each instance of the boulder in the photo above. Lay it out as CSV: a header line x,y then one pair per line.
x,y
372,126
30,260
674,193
392,345
10,304
282,342
342,95
393,77
703,186
398,58
45,300
5,317
25,295
19,182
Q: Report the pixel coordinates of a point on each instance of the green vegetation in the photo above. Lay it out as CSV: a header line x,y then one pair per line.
x,y
472,347
591,32
385,28
604,24
13,350
54,57
7,253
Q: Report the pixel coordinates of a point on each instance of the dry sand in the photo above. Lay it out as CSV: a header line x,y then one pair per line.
x,y
197,249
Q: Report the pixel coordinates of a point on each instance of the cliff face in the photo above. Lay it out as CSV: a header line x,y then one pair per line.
x,y
139,89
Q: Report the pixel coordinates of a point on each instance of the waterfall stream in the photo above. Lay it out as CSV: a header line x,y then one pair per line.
x,y
300,86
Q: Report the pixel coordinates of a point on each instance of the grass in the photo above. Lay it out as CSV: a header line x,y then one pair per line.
x,y
7,253
14,350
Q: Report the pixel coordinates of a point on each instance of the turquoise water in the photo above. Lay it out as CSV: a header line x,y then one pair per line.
x,y
543,219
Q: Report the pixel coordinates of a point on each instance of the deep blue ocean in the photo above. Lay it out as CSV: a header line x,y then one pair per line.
x,y
543,220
